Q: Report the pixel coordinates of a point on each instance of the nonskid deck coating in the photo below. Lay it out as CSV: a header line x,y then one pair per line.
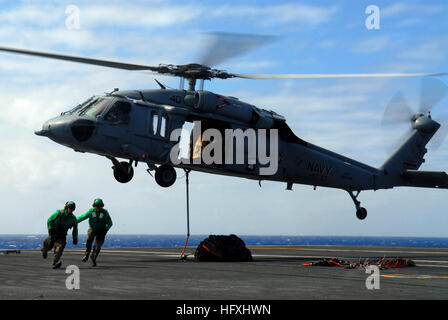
x,y
277,273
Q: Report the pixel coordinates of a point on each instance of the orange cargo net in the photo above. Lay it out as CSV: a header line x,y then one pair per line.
x,y
381,262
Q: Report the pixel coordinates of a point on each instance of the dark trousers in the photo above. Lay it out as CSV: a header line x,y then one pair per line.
x,y
57,242
99,237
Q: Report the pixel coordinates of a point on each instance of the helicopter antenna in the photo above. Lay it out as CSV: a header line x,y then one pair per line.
x,y
161,85
115,90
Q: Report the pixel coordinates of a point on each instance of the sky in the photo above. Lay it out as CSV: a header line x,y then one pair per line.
x,y
343,115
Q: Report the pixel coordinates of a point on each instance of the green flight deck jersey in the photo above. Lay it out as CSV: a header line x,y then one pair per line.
x,y
61,221
98,220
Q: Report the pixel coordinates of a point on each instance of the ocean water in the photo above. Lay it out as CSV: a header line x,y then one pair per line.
x,y
33,241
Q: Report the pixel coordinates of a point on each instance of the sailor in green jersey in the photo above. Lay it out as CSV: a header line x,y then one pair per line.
x,y
58,225
99,223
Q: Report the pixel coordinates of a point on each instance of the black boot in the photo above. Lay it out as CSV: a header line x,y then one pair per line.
x,y
44,252
93,258
86,257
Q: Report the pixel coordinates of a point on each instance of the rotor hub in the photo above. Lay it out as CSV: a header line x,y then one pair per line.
x,y
426,125
193,71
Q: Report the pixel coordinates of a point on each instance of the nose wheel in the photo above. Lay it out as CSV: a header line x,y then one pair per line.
x,y
361,213
123,171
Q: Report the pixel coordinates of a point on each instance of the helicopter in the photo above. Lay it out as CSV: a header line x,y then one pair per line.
x,y
139,125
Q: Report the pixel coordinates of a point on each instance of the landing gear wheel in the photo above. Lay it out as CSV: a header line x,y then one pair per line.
x,y
123,172
361,213
165,175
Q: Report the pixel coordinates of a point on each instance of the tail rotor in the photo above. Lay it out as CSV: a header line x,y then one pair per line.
x,y
398,111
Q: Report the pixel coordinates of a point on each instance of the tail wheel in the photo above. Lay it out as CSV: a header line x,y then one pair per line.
x,y
165,175
124,172
361,213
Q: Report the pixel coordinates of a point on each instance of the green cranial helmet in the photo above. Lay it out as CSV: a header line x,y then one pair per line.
x,y
71,205
98,203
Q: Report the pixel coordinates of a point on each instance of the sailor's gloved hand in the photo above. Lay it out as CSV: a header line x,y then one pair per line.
x,y
75,241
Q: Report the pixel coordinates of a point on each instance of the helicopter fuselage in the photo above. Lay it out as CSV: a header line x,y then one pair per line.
x,y
144,126
137,125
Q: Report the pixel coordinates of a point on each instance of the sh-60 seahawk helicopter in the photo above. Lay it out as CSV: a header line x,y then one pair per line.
x,y
137,125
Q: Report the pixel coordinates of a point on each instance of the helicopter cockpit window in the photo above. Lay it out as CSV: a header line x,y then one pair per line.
x,y
119,113
80,106
96,108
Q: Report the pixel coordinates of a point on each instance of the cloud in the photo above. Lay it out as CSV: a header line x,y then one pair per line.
x,y
44,15
36,15
278,14
401,8
433,50
161,14
372,45
138,16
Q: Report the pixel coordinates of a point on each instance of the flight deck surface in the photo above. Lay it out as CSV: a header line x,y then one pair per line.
x,y
277,273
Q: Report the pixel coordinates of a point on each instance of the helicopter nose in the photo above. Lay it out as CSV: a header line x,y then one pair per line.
x,y
42,133
67,130
56,129
45,131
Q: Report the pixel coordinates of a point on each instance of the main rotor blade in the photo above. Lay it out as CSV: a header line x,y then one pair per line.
x,y
432,92
336,75
223,46
98,62
397,111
